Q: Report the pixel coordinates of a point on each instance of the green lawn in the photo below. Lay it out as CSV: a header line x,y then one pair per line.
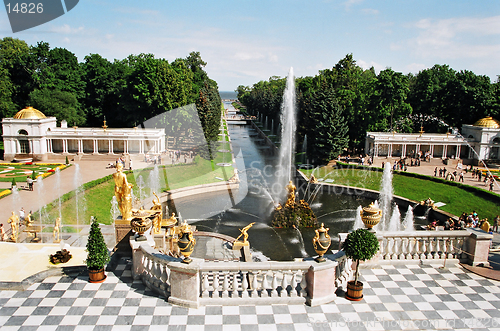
x,y
457,199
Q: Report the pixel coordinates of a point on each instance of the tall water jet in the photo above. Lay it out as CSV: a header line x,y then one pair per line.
x,y
304,149
358,222
114,211
140,185
395,221
385,198
408,221
58,191
154,180
287,118
80,202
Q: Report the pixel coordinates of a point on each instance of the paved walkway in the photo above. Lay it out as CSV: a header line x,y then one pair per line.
x,y
415,297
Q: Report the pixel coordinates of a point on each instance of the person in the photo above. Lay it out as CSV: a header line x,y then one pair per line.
x,y
2,233
130,163
21,214
496,223
485,225
123,192
29,181
447,224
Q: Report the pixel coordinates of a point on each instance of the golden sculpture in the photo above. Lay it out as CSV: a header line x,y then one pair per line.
x,y
186,242
14,225
290,202
169,221
313,180
28,222
123,192
57,230
244,234
158,218
141,222
371,215
321,242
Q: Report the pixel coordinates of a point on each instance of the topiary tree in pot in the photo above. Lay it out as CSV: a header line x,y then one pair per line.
x,y
97,253
360,245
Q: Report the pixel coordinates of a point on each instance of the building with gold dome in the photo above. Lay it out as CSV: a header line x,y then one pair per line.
x,y
31,134
480,141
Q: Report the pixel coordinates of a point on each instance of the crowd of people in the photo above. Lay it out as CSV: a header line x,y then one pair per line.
x,y
465,220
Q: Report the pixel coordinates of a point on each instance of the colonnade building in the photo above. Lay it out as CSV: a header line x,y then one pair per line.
x,y
480,141
30,134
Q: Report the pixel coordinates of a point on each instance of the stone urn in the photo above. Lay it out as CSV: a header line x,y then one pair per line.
x,y
321,242
141,223
186,242
371,216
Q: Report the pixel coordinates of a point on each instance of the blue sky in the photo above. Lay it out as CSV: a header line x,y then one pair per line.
x,y
245,41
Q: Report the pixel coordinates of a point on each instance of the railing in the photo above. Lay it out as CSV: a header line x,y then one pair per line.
x,y
424,245
235,283
271,282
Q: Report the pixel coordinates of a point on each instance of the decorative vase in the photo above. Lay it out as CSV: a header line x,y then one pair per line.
x,y
354,291
97,276
371,216
140,224
321,242
186,242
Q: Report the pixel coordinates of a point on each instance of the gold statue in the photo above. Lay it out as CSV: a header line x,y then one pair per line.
x,y
14,226
313,180
28,222
57,229
158,217
123,192
291,194
169,221
244,234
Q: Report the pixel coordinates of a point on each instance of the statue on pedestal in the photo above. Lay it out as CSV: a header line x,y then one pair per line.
x,y
291,194
14,220
123,192
57,230
245,236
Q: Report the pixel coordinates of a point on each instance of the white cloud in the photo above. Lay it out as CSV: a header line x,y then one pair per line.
x,y
367,65
349,3
370,11
465,37
66,29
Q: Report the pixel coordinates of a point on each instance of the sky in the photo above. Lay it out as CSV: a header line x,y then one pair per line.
x,y
246,41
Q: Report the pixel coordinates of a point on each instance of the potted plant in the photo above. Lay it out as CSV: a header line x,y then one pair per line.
x,y
97,253
359,245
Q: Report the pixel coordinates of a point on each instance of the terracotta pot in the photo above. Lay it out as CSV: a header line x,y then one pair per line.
x,y
96,276
354,291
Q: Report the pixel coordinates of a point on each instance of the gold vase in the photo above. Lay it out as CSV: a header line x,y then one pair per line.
x,y
140,224
186,242
321,242
371,215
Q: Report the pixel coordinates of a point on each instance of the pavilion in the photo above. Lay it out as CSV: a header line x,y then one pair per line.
x,y
480,141
30,134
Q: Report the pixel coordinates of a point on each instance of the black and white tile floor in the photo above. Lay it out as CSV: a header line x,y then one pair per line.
x,y
410,297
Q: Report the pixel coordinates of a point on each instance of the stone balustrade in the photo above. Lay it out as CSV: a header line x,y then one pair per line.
x,y
238,283
470,245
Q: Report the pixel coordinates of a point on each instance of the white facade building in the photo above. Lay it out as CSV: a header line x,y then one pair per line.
x,y
31,134
480,141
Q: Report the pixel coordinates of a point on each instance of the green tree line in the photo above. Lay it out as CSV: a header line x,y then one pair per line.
x,y
124,92
339,105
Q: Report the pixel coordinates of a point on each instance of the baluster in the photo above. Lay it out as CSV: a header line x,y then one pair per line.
x,y
449,248
265,286
234,293
403,248
244,284
293,284
205,286
416,248
394,255
225,285
274,285
158,273
423,248
387,255
255,285
428,253
164,275
435,254
409,250
303,285
215,285
284,286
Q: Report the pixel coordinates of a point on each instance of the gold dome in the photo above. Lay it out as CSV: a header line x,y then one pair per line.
x,y
29,113
488,122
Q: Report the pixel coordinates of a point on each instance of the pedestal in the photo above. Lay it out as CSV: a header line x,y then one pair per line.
x,y
122,233
478,247
321,283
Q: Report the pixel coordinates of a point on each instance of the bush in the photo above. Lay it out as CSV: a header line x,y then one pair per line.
x,y
97,252
360,245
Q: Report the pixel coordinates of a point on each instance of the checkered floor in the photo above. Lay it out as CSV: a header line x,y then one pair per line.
x,y
395,298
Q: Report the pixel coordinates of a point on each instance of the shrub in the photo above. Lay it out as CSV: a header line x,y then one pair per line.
x,y
97,252
360,245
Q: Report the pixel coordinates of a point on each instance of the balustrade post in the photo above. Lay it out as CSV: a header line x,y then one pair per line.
x,y
274,285
255,285
234,293
205,286
293,284
225,285
284,286
265,285
244,284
